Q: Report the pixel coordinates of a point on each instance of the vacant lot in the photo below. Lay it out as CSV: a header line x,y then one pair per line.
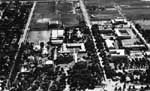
x,y
106,14
132,2
44,11
70,19
65,7
48,11
135,9
101,9
99,2
136,14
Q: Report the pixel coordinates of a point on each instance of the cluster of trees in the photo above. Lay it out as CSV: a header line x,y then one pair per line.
x,y
145,33
59,84
33,74
64,58
12,22
81,76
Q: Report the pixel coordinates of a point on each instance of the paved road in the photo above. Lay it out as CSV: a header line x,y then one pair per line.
x,y
27,25
20,42
87,20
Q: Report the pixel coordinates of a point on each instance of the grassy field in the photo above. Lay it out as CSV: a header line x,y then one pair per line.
x,y
133,9
70,19
43,11
65,7
99,2
47,11
136,14
108,13
39,25
31,0
132,2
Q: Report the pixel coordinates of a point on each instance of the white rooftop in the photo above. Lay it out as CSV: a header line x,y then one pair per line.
x,y
109,43
71,47
117,52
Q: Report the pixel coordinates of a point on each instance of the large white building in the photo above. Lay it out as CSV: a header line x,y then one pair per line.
x,y
57,36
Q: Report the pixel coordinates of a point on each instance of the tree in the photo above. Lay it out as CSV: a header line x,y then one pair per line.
x,y
82,77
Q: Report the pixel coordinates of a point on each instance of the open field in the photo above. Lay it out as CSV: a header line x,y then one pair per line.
x,y
70,19
47,11
43,11
132,2
67,14
32,0
101,9
99,2
136,14
107,14
133,9
65,7
39,24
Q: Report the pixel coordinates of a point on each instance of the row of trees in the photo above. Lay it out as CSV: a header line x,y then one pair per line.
x,y
12,22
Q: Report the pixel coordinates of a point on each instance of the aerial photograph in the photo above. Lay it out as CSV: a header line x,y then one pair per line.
x,y
74,45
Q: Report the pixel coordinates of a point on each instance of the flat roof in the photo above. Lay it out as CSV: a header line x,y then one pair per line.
x,y
107,36
109,43
57,33
70,47
117,52
122,33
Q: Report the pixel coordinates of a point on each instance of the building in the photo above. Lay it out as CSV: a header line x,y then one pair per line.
x,y
122,33
107,36
71,47
57,36
119,21
116,54
105,28
136,54
110,43
132,44
75,49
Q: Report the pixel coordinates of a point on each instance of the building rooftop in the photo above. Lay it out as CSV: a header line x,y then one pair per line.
x,y
108,36
129,42
122,34
110,43
117,52
71,47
